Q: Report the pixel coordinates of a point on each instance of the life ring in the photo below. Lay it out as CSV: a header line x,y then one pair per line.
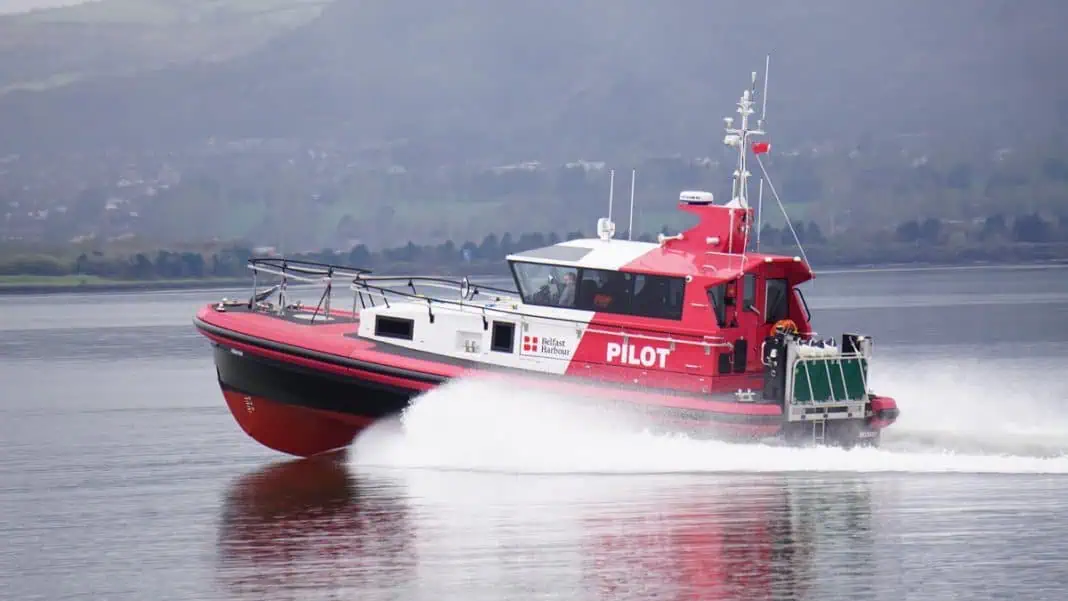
x,y
785,326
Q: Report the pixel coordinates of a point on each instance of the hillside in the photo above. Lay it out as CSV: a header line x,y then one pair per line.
x,y
54,47
564,78
376,121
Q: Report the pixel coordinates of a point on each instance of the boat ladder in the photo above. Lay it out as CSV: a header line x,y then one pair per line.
x,y
819,431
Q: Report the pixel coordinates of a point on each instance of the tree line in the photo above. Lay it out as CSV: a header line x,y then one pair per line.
x,y
994,238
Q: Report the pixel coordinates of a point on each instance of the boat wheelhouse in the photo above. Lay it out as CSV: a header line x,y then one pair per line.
x,y
695,328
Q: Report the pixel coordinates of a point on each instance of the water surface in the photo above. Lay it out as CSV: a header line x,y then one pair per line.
x,y
122,475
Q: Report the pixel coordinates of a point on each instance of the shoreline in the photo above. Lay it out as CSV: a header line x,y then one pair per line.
x,y
43,287
28,289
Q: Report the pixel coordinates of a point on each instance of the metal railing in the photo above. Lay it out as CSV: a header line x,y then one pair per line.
x,y
367,287
302,271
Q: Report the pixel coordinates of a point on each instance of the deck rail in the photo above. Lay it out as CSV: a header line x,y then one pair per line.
x,y
367,286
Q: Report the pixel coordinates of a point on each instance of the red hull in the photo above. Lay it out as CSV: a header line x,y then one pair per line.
x,y
289,429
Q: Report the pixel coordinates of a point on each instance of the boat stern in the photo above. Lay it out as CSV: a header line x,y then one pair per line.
x,y
824,390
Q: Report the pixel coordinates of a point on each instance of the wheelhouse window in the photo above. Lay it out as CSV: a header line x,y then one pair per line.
x,y
658,296
749,293
607,291
547,285
717,299
776,306
804,304
600,290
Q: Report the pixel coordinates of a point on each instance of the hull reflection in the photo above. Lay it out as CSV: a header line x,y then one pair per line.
x,y
310,524
738,538
309,527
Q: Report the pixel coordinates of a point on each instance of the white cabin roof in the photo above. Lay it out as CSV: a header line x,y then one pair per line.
x,y
593,253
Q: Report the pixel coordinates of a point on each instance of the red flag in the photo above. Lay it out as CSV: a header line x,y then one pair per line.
x,y
761,147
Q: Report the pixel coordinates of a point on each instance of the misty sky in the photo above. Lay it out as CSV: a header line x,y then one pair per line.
x,y
18,6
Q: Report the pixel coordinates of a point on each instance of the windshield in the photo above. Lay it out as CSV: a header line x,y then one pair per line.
x,y
600,290
546,284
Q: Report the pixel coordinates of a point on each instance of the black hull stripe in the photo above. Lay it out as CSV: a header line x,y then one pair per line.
x,y
296,385
328,358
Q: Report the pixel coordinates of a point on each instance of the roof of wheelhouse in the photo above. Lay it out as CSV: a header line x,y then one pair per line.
x,y
648,257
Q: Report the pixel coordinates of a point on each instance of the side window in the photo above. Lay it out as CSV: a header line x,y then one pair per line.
x,y
804,304
749,293
776,307
717,301
658,296
603,290
503,338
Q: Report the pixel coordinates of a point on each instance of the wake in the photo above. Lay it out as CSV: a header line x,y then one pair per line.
x,y
990,426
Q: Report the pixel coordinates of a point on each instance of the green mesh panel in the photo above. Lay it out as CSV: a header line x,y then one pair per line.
x,y
827,373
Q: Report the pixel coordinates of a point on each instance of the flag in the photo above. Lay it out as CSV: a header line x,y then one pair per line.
x,y
761,147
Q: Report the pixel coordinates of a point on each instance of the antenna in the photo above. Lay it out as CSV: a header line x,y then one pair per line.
x,y
739,137
611,190
764,108
630,226
605,228
760,212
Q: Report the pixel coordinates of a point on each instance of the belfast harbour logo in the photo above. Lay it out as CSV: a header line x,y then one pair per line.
x,y
547,346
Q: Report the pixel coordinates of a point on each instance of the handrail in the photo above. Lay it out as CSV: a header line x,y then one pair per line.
x,y
290,267
430,280
364,282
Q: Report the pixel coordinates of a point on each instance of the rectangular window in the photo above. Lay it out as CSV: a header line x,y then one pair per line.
x,y
393,327
658,296
717,300
776,307
606,291
503,340
749,293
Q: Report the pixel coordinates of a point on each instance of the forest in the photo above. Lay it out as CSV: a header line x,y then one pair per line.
x,y
996,239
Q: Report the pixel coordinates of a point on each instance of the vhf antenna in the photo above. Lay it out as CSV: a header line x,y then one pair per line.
x,y
764,104
760,125
630,226
605,228
611,191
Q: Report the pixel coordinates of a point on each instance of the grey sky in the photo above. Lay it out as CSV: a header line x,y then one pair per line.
x,y
19,6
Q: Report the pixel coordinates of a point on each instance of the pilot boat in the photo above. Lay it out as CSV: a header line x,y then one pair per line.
x,y
697,330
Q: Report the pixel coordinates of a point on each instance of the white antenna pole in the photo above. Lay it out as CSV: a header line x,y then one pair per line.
x,y
764,108
630,226
760,124
760,212
611,190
